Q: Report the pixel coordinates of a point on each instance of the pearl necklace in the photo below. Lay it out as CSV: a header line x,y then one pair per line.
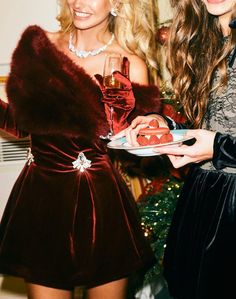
x,y
83,53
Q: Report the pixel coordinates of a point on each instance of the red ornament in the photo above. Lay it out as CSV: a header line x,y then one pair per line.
x,y
163,34
170,110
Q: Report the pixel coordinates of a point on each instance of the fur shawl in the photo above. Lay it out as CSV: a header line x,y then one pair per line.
x,y
49,94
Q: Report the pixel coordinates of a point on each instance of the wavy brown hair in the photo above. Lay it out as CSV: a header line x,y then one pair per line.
x,y
134,27
196,48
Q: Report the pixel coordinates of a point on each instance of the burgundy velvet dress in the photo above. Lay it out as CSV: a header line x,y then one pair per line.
x,y
70,219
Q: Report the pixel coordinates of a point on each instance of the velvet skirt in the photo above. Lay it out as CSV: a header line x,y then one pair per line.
x,y
63,227
200,256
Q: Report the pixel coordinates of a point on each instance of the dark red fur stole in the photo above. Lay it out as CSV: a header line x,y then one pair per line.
x,y
49,94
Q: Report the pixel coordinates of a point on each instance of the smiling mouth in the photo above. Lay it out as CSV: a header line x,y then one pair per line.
x,y
215,1
82,14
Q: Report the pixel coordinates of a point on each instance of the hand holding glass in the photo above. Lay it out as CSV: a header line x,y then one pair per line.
x,y
113,63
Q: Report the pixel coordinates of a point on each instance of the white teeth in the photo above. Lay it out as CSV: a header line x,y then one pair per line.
x,y
81,14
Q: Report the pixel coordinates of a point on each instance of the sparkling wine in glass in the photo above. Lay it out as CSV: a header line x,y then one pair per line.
x,y
113,63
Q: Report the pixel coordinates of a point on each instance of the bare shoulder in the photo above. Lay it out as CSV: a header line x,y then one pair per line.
x,y
138,67
52,35
138,70
55,37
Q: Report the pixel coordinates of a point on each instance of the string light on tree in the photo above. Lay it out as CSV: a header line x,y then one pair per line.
x,y
156,209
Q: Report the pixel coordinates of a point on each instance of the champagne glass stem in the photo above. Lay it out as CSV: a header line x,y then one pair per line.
x,y
111,129
111,121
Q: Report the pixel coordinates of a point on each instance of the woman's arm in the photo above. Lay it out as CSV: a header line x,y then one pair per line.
x,y
138,70
220,148
7,122
201,150
224,151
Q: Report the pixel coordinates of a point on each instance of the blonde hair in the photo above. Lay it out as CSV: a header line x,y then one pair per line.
x,y
196,49
134,27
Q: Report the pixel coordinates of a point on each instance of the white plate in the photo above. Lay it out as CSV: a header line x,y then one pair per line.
x,y
147,151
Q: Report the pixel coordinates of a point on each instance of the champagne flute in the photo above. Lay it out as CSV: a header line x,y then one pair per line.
x,y
112,63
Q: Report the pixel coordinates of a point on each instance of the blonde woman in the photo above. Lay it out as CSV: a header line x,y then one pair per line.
x,y
70,219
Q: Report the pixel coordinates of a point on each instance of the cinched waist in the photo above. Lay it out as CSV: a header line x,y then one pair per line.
x,y
84,161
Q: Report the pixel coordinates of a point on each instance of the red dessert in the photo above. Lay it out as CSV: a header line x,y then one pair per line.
x,y
154,134
154,123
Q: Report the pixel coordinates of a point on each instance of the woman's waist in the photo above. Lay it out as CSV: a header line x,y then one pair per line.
x,y
81,160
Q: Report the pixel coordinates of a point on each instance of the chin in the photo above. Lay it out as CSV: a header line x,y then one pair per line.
x,y
219,7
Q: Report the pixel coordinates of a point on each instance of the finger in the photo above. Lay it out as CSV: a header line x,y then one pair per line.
x,y
178,150
184,159
118,102
128,138
162,122
119,135
122,79
131,136
139,120
179,161
132,133
190,133
125,67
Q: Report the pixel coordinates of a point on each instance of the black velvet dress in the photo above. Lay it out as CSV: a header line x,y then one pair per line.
x,y
200,257
70,219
